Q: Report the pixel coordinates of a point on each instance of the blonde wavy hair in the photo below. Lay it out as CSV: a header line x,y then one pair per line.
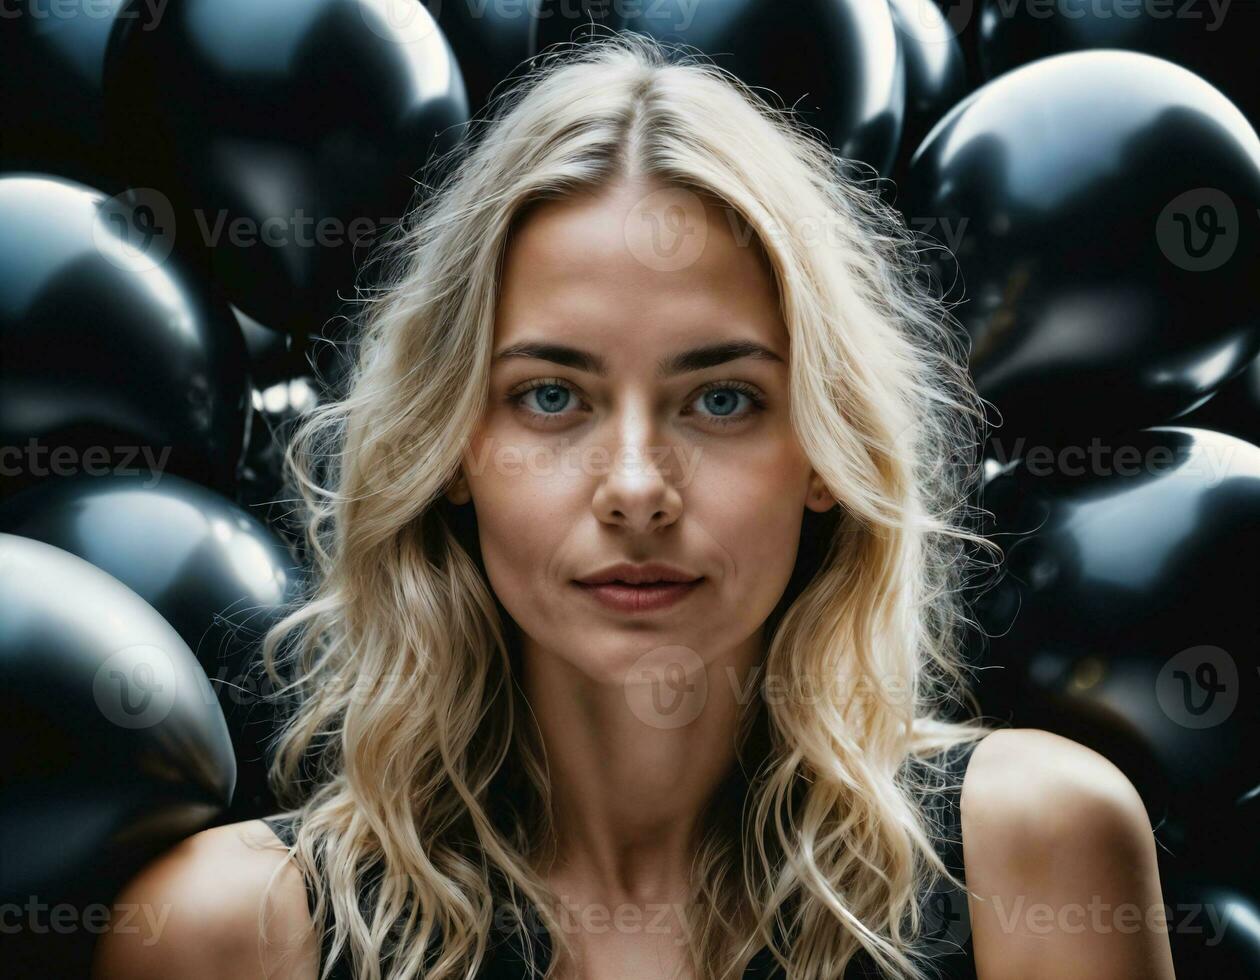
x,y
408,755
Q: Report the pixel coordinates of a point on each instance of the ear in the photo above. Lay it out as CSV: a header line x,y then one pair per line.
x,y
820,498
457,491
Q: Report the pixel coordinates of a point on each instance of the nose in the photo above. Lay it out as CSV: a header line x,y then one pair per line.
x,y
637,493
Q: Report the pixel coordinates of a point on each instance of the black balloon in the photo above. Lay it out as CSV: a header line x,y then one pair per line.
x,y
278,409
491,42
834,61
1103,211
286,134
1220,849
571,21
212,570
936,75
1215,39
113,353
1234,409
964,21
1126,617
52,63
273,354
1213,928
115,747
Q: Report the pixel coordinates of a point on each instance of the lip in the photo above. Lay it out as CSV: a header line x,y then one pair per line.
x,y
629,573
624,598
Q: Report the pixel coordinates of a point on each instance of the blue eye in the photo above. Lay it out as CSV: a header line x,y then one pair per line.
x,y
722,400
551,398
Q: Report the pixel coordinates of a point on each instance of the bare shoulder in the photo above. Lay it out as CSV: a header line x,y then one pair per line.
x,y
194,912
1027,785
1060,863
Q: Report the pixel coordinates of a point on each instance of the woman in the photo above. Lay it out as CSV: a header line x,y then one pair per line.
x,y
633,645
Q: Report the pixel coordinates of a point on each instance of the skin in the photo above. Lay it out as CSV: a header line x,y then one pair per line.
x,y
1045,820
708,478
1061,859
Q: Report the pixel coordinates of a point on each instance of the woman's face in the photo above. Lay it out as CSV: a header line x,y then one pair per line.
x,y
638,412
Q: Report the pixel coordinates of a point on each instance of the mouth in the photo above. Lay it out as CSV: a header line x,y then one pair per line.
x,y
640,597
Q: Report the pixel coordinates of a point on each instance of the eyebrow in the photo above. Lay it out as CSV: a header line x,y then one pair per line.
x,y
696,359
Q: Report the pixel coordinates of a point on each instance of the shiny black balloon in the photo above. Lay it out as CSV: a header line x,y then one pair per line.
x,y
1126,615
936,75
1213,927
52,62
1220,848
273,354
834,61
212,570
278,409
491,43
286,134
1234,409
115,746
963,17
571,22
113,353
1103,211
1214,39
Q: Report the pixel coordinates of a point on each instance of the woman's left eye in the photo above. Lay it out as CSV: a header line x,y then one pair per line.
x,y
721,402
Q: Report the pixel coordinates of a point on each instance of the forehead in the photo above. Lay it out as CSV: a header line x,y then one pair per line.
x,y
636,265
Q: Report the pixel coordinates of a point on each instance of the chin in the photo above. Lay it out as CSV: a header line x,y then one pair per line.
x,y
616,655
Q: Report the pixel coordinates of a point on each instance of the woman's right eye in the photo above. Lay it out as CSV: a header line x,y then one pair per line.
x,y
549,397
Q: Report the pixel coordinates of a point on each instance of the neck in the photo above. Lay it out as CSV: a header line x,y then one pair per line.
x,y
634,758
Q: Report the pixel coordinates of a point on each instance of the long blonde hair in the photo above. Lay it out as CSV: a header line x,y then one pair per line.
x,y
410,760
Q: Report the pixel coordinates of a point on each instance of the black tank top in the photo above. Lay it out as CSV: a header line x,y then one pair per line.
x,y
946,937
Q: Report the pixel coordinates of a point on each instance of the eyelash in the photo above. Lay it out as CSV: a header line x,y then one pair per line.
x,y
758,401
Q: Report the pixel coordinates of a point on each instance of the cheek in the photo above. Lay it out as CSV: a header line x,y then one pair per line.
x,y
753,506
524,515
507,540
